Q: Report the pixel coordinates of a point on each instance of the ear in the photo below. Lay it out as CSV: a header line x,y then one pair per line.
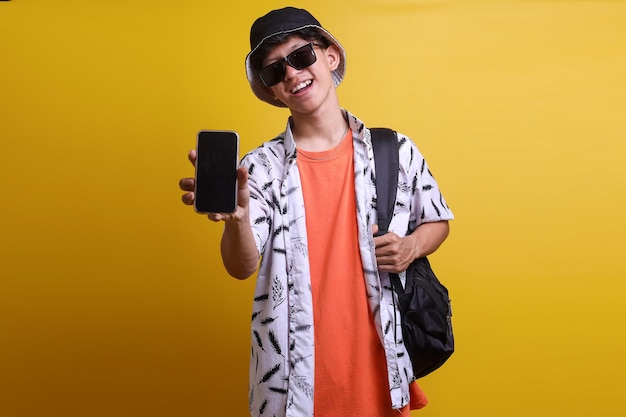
x,y
333,54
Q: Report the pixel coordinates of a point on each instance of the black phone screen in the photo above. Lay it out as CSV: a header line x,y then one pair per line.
x,y
216,171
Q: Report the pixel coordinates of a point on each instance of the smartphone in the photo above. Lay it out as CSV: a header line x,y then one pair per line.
x,y
216,171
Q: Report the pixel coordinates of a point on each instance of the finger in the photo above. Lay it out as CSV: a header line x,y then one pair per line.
x,y
242,178
388,238
192,157
374,229
215,217
187,184
188,198
218,217
383,240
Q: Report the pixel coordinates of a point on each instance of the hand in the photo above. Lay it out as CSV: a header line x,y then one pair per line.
x,y
394,253
243,194
243,199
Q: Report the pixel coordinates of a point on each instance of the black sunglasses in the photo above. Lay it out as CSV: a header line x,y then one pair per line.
x,y
299,59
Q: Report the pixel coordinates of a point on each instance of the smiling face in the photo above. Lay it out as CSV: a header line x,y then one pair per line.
x,y
305,90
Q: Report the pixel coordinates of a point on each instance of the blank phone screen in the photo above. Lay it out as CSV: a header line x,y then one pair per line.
x,y
216,172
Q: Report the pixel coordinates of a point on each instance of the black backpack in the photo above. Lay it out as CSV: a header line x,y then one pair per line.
x,y
423,302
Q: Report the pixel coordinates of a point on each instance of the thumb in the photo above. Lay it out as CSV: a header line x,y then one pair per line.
x,y
242,178
374,229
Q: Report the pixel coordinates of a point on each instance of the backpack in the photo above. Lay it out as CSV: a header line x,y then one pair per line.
x,y
424,303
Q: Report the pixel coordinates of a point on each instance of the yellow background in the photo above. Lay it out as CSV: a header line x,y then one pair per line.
x,y
113,300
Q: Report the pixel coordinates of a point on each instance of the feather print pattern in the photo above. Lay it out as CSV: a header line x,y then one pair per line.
x,y
274,342
267,321
387,327
304,385
404,187
265,162
262,409
257,337
278,295
299,244
443,203
435,208
270,373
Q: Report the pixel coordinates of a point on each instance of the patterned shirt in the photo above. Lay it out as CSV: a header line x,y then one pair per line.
x,y
282,356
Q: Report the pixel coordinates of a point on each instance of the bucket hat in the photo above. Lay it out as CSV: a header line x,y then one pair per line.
x,y
282,21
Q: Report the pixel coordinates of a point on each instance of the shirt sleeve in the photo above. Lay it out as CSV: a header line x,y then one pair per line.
x,y
427,201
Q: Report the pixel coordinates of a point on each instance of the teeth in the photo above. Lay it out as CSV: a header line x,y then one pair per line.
x,y
301,86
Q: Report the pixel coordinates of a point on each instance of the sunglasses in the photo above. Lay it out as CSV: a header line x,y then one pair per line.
x,y
299,59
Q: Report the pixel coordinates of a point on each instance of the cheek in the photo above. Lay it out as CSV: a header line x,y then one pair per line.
x,y
274,90
276,94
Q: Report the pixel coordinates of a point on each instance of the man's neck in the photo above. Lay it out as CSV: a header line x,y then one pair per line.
x,y
319,132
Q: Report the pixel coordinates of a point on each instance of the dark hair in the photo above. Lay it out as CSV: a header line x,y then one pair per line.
x,y
308,34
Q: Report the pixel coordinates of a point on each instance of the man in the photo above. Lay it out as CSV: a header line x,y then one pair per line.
x,y
326,337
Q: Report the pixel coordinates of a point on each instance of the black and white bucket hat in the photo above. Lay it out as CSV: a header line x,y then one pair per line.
x,y
281,21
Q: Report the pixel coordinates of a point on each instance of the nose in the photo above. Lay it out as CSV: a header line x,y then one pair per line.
x,y
290,71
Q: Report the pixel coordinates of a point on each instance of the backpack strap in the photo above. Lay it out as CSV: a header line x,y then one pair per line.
x,y
387,163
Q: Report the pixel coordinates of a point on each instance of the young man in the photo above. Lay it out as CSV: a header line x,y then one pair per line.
x,y
326,337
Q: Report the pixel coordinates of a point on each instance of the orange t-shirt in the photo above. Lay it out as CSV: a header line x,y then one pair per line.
x,y
350,366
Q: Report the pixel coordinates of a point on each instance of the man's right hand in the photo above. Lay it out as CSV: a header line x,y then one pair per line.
x,y
243,194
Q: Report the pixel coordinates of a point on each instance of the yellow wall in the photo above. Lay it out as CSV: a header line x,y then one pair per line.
x,y
113,301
